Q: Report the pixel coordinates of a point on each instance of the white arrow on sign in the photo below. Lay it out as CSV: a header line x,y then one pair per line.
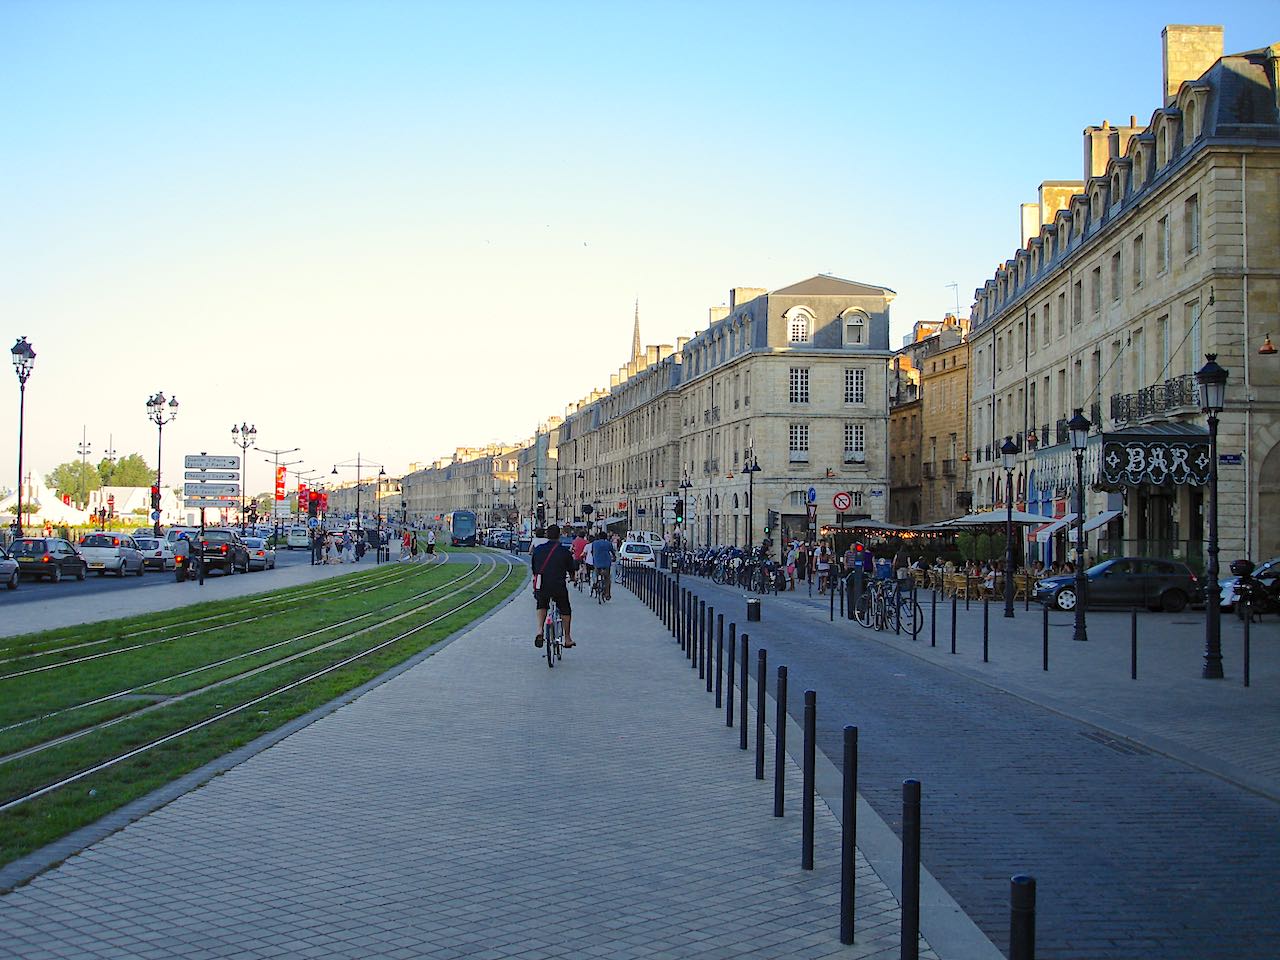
x,y
211,489
202,462
212,475
208,502
842,501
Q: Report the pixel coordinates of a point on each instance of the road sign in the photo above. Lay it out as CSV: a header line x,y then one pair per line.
x,y
812,510
1231,459
203,462
203,475
211,489
209,502
842,501
313,522
813,495
155,514
877,493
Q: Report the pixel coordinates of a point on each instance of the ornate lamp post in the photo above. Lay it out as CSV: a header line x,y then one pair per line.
x,y
244,437
84,448
357,463
751,468
1078,426
377,509
578,478
1008,459
685,486
160,412
24,358
1213,390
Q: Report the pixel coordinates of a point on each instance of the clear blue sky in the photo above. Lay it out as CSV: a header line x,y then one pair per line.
x,y
393,228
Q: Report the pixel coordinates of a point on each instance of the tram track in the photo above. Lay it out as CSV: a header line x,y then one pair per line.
x,y
175,698
508,570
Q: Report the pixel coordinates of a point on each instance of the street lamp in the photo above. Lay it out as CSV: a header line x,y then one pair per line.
x,y
83,449
1078,427
578,478
377,509
244,437
685,486
1213,390
1008,459
160,412
357,463
751,468
24,358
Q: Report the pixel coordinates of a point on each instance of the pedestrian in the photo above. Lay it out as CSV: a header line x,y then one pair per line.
x,y
802,562
824,568
791,565
431,541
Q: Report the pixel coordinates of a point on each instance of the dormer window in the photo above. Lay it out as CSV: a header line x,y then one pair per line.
x,y
1116,192
1189,118
1162,146
855,329
799,325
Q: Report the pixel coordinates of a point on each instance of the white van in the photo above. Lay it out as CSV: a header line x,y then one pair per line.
x,y
646,536
298,537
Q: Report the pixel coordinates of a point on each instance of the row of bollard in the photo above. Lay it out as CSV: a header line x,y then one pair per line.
x,y
690,621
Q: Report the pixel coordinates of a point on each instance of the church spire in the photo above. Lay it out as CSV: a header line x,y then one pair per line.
x,y
635,334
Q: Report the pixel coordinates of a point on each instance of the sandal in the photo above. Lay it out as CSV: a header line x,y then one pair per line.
x,y
569,643
537,641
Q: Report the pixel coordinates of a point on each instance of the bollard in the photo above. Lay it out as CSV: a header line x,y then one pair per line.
x,y
848,834
909,939
953,620
840,581
745,667
1022,918
690,618
915,605
966,596
719,656
706,653
780,742
680,611
832,615
728,676
1133,644
1248,621
933,619
762,657
806,796
857,586
1045,640
701,614
986,630
897,606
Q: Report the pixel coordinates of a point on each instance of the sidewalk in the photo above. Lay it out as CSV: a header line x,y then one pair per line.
x,y
1219,726
478,804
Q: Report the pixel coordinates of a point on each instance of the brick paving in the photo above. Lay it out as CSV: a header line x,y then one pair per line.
x,y
1142,807
479,805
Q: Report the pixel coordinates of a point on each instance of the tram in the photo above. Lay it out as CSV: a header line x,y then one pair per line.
x,y
461,527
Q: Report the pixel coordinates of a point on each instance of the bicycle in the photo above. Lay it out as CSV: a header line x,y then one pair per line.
x,y
599,586
553,635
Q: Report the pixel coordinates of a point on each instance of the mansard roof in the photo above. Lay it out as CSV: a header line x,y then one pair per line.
x,y
825,285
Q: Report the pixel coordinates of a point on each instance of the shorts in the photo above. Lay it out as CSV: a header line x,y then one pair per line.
x,y
559,593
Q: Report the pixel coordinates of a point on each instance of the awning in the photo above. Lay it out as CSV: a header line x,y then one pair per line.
x,y
1049,529
1093,523
992,516
1174,454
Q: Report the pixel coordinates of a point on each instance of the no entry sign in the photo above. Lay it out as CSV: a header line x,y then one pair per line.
x,y
842,501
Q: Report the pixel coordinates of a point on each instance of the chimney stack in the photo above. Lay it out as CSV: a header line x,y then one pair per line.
x,y
1188,52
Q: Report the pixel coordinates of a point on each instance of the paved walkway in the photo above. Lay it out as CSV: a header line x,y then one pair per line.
x,y
480,805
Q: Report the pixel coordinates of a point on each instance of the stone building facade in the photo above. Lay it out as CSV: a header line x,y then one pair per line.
x,y
943,359
479,479
1169,250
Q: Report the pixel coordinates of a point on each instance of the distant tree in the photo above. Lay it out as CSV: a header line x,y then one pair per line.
x,y
105,466
132,471
74,479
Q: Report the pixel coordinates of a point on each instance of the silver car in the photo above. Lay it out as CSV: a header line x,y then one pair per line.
x,y
156,552
111,553
262,556
8,570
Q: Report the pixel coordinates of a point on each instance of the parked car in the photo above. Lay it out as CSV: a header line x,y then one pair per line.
x,y
222,549
156,552
1268,572
647,536
1156,584
50,558
633,551
8,570
262,556
298,538
112,553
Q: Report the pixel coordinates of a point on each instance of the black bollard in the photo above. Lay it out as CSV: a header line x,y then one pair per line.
x,y
840,587
701,615
719,656
986,629
953,620
933,619
909,940
706,652
1022,918
1133,644
806,796
728,675
897,606
690,616
745,667
1248,621
762,658
832,615
1045,639
915,605
780,742
848,834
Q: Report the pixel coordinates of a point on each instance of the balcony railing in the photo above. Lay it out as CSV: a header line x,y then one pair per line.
x,y
1156,400
948,468
928,469
715,414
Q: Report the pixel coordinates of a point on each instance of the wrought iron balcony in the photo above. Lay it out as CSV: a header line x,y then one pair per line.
x,y
928,469
1156,400
948,468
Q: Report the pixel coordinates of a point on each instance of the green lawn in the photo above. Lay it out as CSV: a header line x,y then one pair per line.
x,y
220,663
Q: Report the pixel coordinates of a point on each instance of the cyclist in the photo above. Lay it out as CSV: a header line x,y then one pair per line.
x,y
579,549
552,562
602,556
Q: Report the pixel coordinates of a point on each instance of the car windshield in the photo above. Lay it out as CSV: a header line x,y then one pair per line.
x,y
28,548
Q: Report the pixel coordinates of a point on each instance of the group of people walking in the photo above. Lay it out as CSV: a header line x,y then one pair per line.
x,y
332,546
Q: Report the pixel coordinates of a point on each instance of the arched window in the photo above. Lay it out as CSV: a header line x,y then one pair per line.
x,y
799,325
1189,131
999,488
981,493
1162,146
735,501
855,329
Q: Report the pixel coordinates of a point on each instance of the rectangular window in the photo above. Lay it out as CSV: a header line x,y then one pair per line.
x,y
798,329
1162,244
999,353
1017,346
799,438
1138,348
1077,305
1193,336
1116,276
799,385
1139,262
746,389
1095,290
855,443
1163,344
1047,323
855,385
1062,315
857,498
1191,223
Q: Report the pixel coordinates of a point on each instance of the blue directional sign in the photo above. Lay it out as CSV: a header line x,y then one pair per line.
x,y
813,495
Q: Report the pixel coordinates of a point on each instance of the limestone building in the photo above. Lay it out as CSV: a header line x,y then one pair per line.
x,y
479,479
1169,250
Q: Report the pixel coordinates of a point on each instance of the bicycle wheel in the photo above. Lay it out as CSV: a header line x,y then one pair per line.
x,y
910,615
864,612
549,638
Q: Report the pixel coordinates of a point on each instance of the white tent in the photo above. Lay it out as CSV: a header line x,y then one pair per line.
x,y
51,509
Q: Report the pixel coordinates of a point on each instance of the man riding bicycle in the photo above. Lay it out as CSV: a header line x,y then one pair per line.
x,y
602,556
552,562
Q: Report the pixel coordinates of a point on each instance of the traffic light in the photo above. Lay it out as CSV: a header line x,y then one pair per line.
x,y
679,511
542,513
155,497
313,507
